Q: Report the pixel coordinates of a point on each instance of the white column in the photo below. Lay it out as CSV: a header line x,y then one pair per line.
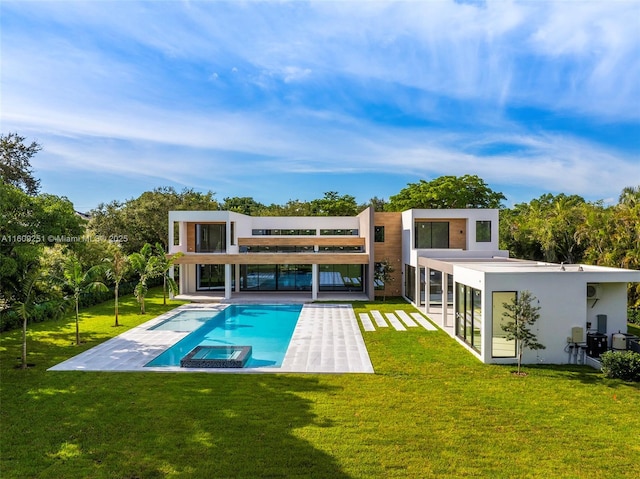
x,y
315,280
445,289
427,288
227,281
171,276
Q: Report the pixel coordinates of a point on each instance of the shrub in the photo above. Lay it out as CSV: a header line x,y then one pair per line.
x,y
623,365
633,316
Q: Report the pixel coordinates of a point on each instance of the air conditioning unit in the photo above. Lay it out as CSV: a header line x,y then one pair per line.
x,y
593,291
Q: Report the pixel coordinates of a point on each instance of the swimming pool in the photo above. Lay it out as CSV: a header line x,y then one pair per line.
x,y
266,328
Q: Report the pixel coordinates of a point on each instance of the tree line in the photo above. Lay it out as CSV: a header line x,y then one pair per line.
x,y
40,231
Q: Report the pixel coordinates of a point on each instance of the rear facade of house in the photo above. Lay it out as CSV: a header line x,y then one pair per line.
x,y
446,262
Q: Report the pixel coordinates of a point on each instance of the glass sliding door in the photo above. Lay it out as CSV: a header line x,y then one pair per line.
x,y
209,277
341,277
275,277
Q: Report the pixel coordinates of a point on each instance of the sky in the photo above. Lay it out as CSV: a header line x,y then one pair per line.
x,y
288,100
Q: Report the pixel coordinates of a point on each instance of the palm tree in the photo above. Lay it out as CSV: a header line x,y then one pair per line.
x,y
118,267
164,264
630,195
146,265
26,304
80,282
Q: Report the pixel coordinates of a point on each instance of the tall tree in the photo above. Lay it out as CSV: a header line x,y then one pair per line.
x,y
163,265
26,304
333,204
378,204
547,228
145,219
79,281
468,191
245,205
28,225
522,314
15,163
145,263
117,268
630,196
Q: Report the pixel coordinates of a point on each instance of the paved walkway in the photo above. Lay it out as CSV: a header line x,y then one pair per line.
x,y
409,321
327,339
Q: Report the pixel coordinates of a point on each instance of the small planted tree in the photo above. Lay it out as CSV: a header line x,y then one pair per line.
x,y
26,304
145,263
382,275
77,280
164,264
117,268
522,314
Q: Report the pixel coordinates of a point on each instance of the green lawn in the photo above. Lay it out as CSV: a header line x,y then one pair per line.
x,y
431,410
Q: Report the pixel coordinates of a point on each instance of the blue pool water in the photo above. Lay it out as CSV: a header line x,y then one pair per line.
x,y
267,328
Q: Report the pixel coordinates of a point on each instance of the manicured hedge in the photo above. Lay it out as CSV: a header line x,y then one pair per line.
x,y
623,365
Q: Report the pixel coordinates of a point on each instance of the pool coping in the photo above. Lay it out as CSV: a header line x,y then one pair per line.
x,y
327,339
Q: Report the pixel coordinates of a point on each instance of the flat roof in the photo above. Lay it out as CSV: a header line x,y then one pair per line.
x,y
510,265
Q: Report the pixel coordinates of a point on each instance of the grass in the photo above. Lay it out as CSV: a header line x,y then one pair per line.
x,y
431,410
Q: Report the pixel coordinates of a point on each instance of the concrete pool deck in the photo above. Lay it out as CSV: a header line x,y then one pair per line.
x,y
327,339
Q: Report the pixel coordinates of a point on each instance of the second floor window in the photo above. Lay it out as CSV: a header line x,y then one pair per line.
x,y
432,234
211,238
483,231
379,234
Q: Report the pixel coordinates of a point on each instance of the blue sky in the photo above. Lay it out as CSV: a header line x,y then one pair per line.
x,y
288,100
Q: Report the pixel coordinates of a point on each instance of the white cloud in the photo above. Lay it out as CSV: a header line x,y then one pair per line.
x,y
211,89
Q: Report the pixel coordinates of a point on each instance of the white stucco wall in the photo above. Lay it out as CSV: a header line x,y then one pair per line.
x,y
563,305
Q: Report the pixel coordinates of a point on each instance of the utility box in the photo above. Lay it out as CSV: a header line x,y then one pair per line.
x,y
577,334
596,344
602,323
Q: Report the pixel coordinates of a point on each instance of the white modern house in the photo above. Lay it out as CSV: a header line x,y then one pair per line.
x,y
446,262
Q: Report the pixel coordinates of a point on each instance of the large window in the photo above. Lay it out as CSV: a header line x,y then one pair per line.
x,y
431,234
341,277
271,277
410,282
210,277
211,238
469,315
500,347
339,232
483,231
283,232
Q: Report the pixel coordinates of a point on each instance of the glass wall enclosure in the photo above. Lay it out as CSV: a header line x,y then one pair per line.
x,y
341,277
500,347
275,277
469,315
211,238
435,288
432,234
